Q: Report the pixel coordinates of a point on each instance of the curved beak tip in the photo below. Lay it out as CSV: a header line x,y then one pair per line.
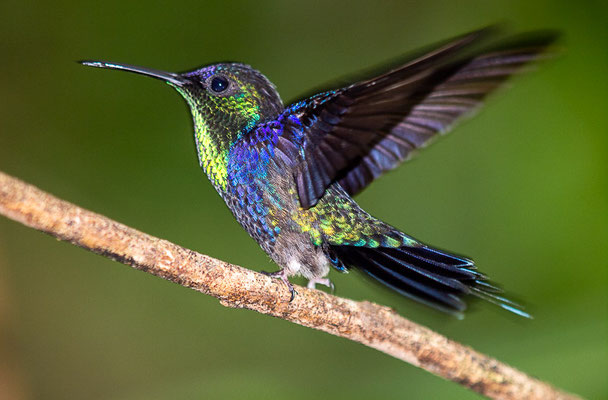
x,y
96,64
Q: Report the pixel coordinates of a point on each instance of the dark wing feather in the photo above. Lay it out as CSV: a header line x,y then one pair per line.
x,y
354,134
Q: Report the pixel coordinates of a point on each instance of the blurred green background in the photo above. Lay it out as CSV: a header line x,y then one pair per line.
x,y
521,188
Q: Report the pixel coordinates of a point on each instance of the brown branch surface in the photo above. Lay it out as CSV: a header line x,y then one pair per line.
x,y
364,322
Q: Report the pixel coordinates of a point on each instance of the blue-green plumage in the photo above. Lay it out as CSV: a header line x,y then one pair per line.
x,y
288,174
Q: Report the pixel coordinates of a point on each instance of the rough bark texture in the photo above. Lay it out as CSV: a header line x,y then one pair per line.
x,y
367,323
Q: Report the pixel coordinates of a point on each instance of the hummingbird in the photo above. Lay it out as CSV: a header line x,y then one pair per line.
x,y
289,173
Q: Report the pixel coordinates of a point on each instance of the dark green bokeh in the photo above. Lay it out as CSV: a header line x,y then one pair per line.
x,y
521,188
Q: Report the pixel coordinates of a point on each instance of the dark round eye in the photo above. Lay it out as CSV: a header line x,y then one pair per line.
x,y
219,84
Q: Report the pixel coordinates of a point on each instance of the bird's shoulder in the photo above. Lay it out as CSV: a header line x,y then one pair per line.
x,y
281,139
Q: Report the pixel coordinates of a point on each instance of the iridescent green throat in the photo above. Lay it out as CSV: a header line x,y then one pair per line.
x,y
213,139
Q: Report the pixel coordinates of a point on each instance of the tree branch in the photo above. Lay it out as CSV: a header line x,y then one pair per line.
x,y
364,322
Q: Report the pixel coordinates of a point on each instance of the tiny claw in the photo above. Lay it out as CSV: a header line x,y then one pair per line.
x,y
282,275
293,292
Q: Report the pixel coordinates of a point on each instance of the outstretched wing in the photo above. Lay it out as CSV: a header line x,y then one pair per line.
x,y
355,134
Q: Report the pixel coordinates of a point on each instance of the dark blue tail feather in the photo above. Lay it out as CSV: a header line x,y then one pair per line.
x,y
428,275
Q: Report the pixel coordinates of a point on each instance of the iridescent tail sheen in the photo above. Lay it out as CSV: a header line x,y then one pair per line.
x,y
430,276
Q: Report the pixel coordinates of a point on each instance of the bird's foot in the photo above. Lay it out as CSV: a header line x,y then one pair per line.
x,y
282,275
320,281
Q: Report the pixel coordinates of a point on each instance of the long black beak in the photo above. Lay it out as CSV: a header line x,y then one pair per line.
x,y
168,77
